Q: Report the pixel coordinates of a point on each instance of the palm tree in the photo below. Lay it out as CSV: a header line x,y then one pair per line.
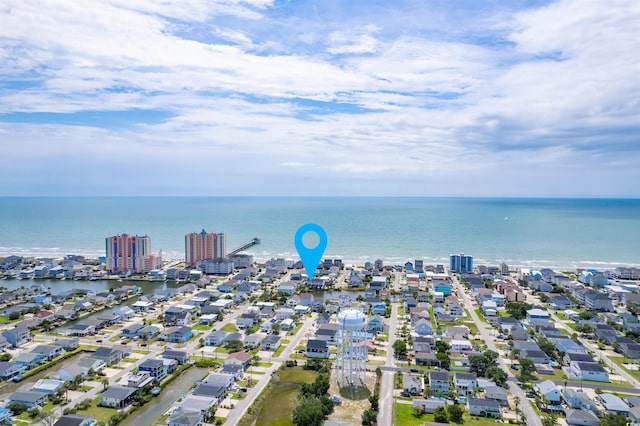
x,y
516,400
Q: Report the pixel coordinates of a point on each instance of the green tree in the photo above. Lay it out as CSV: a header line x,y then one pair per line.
x,y
527,368
442,346
455,411
16,407
547,347
549,420
440,415
613,420
585,315
443,360
369,417
400,348
275,328
497,375
584,328
309,412
518,310
234,346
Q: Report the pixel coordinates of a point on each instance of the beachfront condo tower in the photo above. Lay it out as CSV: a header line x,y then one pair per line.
x,y
204,245
460,263
130,253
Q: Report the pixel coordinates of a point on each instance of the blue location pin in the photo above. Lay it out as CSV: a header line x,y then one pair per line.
x,y
311,256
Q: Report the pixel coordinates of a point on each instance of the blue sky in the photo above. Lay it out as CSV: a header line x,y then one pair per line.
x,y
263,97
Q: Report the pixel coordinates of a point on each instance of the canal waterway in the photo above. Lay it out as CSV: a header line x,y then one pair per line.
x,y
58,286
151,412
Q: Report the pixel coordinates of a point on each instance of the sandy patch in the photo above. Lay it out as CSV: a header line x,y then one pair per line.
x,y
350,410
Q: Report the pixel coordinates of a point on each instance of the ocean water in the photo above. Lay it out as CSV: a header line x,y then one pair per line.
x,y
596,233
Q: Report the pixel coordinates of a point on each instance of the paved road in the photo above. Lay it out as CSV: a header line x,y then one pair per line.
x,y
385,415
587,344
516,391
242,405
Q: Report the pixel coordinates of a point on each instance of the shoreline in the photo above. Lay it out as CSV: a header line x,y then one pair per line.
x,y
568,265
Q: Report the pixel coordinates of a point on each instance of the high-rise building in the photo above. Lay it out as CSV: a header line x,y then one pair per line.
x,y
461,263
130,253
203,245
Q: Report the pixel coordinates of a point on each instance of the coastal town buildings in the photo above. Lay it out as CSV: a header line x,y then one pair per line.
x,y
204,245
130,253
460,263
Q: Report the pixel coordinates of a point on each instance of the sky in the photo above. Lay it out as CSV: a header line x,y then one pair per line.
x,y
328,97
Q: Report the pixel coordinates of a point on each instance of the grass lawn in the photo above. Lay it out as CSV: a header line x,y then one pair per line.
x,y
405,416
295,330
229,328
382,337
571,325
619,361
558,375
275,406
480,315
279,350
101,414
202,327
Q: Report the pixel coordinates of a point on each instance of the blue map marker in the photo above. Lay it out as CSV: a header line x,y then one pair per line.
x,y
311,256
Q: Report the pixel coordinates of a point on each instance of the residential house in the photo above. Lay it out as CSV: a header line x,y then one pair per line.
x,y
234,370
465,383
375,324
423,328
29,399
413,384
179,334
132,330
581,417
592,371
317,349
182,417
253,341
242,359
117,397
460,345
483,407
578,399
29,360
17,336
110,356
215,338
549,391
180,356
496,393
439,381
284,313
536,315
271,343
155,368
75,420
48,386
247,320
613,404
71,372
49,351
429,405
10,369
287,324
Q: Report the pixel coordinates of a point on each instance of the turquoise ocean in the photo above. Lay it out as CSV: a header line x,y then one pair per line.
x,y
562,233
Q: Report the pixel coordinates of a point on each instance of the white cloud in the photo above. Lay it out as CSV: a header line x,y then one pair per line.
x,y
361,98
